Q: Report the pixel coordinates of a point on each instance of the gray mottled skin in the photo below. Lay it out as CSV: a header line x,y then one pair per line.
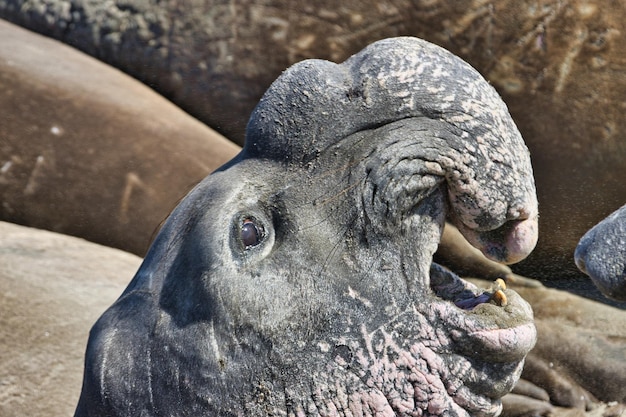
x,y
348,173
601,254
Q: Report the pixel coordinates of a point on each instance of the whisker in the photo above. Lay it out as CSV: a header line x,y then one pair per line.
x,y
336,195
333,250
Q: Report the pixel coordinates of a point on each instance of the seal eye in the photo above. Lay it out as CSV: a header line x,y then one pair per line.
x,y
250,233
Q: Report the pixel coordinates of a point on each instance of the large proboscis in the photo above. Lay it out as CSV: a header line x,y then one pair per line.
x,y
298,279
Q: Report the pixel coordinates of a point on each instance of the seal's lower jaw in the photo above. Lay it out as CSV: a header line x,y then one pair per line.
x,y
431,355
495,325
436,356
494,335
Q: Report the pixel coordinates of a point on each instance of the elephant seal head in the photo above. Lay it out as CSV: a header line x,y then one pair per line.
x,y
601,254
298,279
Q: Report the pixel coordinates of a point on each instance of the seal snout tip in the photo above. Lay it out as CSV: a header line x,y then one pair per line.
x,y
579,259
507,244
520,239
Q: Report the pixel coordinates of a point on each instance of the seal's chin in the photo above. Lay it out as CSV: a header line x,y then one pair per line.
x,y
453,351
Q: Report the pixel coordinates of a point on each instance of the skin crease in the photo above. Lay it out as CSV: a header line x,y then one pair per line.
x,y
298,279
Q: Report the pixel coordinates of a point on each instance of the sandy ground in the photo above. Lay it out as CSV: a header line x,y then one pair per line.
x,y
52,289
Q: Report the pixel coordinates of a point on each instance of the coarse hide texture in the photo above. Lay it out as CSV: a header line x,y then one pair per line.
x,y
298,279
601,254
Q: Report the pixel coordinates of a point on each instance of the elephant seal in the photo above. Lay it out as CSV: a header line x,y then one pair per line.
x,y
551,61
298,278
88,151
601,254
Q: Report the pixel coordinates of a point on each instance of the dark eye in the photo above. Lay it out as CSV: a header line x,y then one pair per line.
x,y
251,234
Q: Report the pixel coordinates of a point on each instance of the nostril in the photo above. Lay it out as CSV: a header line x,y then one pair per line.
x,y
510,243
525,211
521,238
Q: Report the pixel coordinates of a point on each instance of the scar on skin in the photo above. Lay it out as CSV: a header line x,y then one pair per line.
x,y
354,294
566,65
31,185
481,10
6,167
132,181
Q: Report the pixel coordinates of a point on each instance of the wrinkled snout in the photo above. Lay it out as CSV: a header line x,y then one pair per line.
x,y
509,243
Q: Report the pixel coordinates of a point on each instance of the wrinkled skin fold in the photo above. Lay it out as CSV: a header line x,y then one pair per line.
x,y
298,279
